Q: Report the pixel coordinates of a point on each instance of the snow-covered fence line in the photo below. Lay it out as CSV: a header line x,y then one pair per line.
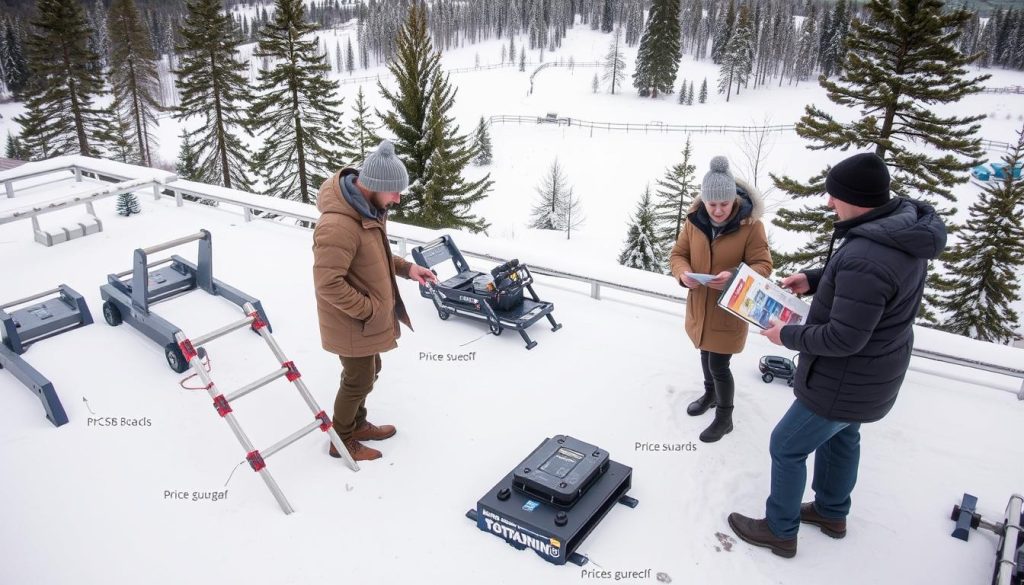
x,y
640,126
1018,89
994,144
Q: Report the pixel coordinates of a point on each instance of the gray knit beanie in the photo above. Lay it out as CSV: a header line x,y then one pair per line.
x,y
383,172
718,185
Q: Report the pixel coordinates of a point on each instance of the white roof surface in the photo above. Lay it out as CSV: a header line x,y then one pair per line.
x,y
86,504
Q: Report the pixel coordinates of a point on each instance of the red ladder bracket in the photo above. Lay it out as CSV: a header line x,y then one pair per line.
x,y
325,421
293,372
257,321
221,404
187,350
255,460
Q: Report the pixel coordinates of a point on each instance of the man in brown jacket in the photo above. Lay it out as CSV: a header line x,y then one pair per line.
x,y
357,296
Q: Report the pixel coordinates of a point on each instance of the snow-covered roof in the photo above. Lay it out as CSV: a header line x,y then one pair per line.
x,y
90,503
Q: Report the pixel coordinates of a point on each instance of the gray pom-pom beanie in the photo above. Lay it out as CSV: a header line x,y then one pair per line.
x,y
718,184
383,171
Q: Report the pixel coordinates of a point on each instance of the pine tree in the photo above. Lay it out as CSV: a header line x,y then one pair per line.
x,y
703,91
723,33
595,84
634,22
425,133
61,117
13,149
608,17
682,93
128,204
614,63
806,56
483,144
187,166
658,57
834,49
99,37
296,110
737,58
213,88
522,59
643,250
901,64
675,195
985,266
15,65
134,78
547,213
689,95
361,133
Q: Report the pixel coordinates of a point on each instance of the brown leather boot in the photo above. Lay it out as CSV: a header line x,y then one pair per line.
x,y
371,432
357,450
834,527
757,533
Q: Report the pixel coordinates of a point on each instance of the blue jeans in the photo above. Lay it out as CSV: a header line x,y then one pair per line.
x,y
836,448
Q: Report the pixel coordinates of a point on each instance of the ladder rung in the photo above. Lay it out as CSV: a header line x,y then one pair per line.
x,y
204,339
313,426
257,384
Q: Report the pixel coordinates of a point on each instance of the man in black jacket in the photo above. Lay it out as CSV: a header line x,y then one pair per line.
x,y
854,349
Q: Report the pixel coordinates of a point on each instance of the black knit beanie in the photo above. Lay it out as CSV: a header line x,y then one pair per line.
x,y
861,180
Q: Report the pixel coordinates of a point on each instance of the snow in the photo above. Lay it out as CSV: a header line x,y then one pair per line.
x,y
88,504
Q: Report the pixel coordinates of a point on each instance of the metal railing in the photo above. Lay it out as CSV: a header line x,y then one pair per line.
x,y
403,244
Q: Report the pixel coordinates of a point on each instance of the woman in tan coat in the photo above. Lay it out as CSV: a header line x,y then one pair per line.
x,y
722,230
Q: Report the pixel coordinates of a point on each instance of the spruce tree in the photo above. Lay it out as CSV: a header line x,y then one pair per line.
x,y
443,199
213,88
634,22
15,63
834,49
187,166
419,118
350,58
983,283
13,149
806,56
361,133
61,117
658,57
296,111
614,63
482,144
553,193
608,16
682,93
901,64
675,195
522,59
723,33
703,91
134,77
128,204
595,84
643,249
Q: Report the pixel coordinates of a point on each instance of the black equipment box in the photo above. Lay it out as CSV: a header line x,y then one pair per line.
x,y
552,500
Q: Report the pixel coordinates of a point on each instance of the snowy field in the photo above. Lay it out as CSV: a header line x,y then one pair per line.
x,y
88,504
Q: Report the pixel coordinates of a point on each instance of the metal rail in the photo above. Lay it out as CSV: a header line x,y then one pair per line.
x,y
597,284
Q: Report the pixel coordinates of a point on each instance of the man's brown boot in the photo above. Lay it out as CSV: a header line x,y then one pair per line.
x,y
371,432
834,527
757,533
357,450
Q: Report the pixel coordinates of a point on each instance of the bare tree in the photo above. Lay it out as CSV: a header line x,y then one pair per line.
x,y
757,146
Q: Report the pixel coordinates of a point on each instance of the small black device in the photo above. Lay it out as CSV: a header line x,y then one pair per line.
x,y
560,471
773,366
554,498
